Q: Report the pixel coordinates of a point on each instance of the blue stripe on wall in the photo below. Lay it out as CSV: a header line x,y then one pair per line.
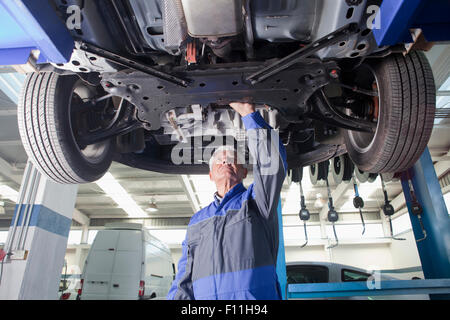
x,y
46,219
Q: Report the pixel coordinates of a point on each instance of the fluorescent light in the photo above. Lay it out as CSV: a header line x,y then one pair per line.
x,y
116,192
8,193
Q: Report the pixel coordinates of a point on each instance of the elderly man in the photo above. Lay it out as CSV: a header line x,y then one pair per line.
x,y
230,250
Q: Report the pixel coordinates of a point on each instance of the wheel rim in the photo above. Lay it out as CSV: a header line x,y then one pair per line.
x,y
93,153
337,164
363,141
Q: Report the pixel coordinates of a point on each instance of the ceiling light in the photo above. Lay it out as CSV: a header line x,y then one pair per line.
x,y
117,193
152,207
8,193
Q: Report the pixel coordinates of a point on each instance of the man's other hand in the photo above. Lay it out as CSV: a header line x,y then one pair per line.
x,y
243,108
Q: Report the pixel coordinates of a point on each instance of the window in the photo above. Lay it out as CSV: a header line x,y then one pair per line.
x,y
353,275
306,274
74,237
3,236
91,236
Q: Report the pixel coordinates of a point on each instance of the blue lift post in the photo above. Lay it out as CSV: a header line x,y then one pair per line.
x,y
397,17
434,250
281,258
26,25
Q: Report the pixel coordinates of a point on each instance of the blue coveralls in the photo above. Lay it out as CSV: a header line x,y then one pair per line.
x,y
230,250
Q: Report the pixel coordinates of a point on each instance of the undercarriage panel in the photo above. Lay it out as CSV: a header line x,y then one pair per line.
x,y
288,91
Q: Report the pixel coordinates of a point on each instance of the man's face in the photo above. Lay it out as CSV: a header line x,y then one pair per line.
x,y
226,170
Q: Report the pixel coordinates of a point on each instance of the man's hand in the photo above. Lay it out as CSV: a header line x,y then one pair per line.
x,y
243,108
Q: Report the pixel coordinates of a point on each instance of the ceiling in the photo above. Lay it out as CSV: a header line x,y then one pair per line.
x,y
179,196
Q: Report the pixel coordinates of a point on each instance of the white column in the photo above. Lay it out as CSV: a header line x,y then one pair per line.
x,y
38,243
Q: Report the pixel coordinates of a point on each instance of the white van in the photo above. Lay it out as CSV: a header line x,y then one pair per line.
x,y
126,262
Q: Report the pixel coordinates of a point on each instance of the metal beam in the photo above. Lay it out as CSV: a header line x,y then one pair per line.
x,y
10,143
80,217
186,183
445,93
368,288
8,112
9,172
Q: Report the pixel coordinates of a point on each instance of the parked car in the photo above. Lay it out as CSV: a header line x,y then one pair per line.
x,y
126,262
145,75
327,272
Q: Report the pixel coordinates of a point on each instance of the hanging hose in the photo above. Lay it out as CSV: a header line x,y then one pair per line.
x,y
388,209
332,215
358,203
306,236
303,214
335,236
416,208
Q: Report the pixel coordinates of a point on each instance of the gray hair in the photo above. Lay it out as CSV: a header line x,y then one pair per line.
x,y
219,151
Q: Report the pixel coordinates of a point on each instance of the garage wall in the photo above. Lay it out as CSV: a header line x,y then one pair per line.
x,y
366,256
176,255
396,255
404,253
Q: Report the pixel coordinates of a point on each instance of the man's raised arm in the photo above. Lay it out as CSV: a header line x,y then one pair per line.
x,y
269,156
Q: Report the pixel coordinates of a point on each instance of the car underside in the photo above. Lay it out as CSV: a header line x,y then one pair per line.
x,y
150,81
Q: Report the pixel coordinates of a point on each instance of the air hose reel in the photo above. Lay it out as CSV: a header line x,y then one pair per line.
x,y
416,208
388,209
303,214
332,213
358,203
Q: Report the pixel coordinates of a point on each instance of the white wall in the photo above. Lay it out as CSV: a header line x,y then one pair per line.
x,y
404,253
176,255
394,255
366,256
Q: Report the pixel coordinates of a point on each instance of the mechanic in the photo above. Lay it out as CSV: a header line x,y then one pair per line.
x,y
230,249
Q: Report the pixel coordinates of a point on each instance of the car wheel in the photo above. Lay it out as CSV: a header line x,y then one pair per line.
x,y
404,111
372,177
361,175
318,171
296,174
51,114
342,169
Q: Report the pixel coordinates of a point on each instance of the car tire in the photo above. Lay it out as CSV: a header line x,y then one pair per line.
x,y
318,171
342,169
361,175
296,174
44,118
407,103
372,177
